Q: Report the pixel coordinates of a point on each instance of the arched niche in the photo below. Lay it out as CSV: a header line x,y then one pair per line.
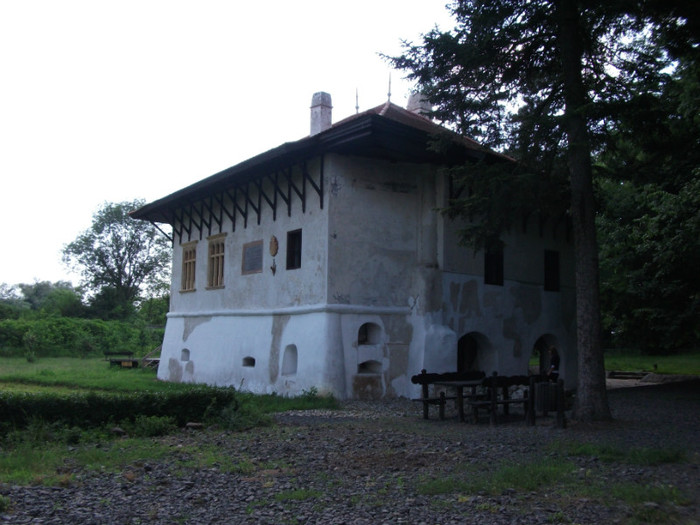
x,y
289,360
474,352
369,367
369,334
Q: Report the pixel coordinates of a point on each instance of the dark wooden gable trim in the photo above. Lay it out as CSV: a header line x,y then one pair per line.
x,y
252,195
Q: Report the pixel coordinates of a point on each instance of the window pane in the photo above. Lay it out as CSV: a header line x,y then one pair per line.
x,y
294,250
493,267
551,271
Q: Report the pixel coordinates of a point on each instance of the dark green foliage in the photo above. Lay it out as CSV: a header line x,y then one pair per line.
x,y
62,336
150,426
650,252
40,299
154,309
197,403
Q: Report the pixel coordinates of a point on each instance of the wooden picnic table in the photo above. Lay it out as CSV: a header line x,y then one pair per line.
x,y
459,387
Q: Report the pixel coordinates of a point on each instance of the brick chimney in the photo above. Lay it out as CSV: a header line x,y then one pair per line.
x,y
321,112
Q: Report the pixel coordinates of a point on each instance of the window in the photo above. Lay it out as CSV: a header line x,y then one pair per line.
x,y
215,271
189,258
293,249
551,271
493,266
252,257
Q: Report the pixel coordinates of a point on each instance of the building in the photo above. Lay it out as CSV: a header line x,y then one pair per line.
x,y
324,264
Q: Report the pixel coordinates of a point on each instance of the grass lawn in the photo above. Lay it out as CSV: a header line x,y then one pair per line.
x,y
77,374
34,454
66,374
687,363
683,364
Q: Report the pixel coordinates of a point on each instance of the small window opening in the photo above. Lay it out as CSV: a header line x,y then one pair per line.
x,y
369,367
493,266
249,361
185,355
294,250
551,271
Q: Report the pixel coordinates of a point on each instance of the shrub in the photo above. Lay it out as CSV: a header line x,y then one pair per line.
x,y
18,409
72,337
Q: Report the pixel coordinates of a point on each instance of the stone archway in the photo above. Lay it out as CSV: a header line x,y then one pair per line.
x,y
540,350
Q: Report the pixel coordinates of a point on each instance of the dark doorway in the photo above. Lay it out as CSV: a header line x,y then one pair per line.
x,y
467,347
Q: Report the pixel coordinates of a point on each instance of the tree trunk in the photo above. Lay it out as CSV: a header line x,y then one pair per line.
x,y
591,399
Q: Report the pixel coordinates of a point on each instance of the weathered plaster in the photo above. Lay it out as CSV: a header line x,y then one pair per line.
x,y
279,322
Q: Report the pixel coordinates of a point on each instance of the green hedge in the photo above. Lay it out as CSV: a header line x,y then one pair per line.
x,y
198,403
73,337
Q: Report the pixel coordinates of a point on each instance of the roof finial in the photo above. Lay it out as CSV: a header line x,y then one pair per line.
x,y
357,101
388,95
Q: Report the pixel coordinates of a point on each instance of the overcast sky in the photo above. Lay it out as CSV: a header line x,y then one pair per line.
x,y
114,101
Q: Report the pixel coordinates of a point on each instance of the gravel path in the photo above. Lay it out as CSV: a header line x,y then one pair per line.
x,y
371,462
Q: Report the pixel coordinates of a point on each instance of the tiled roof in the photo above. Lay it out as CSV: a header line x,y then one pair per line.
x,y
415,120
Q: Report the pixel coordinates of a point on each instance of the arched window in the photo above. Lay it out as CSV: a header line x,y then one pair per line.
x,y
540,353
249,361
184,354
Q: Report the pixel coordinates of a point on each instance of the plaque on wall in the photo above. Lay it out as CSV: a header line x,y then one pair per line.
x,y
252,257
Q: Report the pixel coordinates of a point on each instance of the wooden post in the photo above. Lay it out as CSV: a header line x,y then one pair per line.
x,y
493,391
442,405
424,388
530,416
561,418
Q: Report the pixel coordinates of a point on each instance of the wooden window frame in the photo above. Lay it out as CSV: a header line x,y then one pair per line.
x,y
189,267
216,261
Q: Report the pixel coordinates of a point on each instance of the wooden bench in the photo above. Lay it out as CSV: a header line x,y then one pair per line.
x,y
425,380
121,359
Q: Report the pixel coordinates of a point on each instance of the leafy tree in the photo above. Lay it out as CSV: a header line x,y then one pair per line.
x,y
650,251
119,258
37,294
541,79
65,302
11,304
649,223
154,310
